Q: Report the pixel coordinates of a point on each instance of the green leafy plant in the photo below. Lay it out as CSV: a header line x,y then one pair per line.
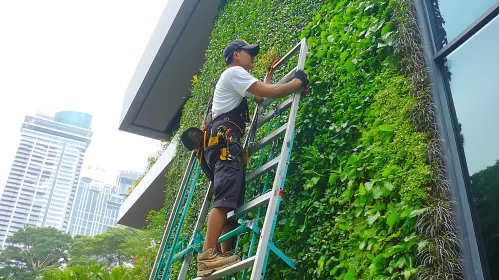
x,y
365,195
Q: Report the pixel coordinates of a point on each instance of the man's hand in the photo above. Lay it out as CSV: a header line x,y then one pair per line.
x,y
257,99
302,76
272,65
270,71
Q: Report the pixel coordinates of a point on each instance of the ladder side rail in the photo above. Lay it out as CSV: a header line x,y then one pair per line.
x,y
172,217
198,227
169,262
290,54
260,264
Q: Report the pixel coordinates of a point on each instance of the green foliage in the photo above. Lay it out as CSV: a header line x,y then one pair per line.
x,y
92,271
116,246
363,170
360,175
30,250
118,253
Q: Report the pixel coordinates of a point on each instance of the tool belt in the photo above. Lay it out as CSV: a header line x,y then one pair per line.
x,y
221,134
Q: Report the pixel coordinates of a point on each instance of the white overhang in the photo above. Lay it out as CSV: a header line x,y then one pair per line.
x,y
162,80
149,193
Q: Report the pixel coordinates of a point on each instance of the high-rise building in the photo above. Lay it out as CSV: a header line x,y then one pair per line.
x,y
96,207
44,176
126,179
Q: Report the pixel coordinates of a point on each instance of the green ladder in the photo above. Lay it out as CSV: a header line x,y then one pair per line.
x,y
174,247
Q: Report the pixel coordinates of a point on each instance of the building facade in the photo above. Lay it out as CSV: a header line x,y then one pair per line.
x,y
42,183
95,208
126,179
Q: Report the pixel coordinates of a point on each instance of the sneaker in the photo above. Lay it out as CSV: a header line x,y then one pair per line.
x,y
213,260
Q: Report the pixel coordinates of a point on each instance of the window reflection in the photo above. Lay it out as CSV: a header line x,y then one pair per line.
x,y
454,16
475,93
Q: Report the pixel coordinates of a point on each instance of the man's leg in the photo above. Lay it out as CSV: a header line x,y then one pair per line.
x,y
216,223
211,260
228,244
226,179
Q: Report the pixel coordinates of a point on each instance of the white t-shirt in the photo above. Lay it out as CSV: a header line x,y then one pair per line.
x,y
230,90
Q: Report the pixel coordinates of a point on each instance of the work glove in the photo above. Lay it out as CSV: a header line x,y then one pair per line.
x,y
300,75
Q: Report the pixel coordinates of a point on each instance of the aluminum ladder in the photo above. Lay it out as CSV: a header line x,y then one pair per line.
x,y
173,250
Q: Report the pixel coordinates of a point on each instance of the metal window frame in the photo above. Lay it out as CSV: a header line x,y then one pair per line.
x,y
464,36
475,261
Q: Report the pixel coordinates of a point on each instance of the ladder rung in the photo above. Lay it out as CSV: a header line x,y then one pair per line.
x,y
248,207
283,106
269,139
263,169
230,270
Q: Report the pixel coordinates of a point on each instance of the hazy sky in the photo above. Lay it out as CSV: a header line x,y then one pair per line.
x,y
74,55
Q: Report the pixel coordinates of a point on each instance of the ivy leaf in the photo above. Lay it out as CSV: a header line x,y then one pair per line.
x,y
353,159
405,213
303,226
320,53
392,219
343,227
335,269
385,127
368,186
344,176
312,182
333,178
401,262
330,38
380,261
358,211
373,218
387,28
362,190
388,185
377,193
343,55
350,274
320,263
389,171
409,272
349,65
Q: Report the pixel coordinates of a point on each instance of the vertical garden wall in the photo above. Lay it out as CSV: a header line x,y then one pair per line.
x,y
366,197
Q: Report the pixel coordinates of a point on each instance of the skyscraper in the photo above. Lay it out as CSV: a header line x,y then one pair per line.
x,y
41,185
126,179
96,207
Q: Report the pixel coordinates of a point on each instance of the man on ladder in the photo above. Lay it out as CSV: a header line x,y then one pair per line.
x,y
224,156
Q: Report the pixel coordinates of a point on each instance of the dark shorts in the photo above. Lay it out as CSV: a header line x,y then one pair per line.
x,y
228,179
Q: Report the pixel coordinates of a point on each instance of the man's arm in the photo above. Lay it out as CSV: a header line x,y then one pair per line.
x,y
262,89
259,99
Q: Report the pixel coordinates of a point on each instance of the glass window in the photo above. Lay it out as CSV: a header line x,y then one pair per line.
x,y
457,15
474,72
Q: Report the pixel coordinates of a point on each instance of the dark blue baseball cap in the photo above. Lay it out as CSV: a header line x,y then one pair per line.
x,y
240,44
